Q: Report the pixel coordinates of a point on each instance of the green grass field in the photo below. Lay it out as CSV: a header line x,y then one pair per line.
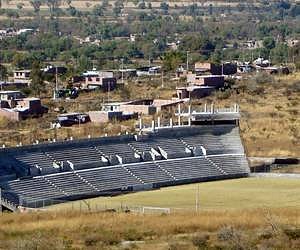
x,y
229,194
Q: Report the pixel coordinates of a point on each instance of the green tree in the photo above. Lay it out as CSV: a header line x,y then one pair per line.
x,y
118,7
20,6
172,60
3,73
98,10
37,79
53,6
68,2
269,43
36,4
165,7
142,5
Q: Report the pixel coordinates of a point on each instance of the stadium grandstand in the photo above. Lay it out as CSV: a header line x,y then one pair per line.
x,y
48,173
43,174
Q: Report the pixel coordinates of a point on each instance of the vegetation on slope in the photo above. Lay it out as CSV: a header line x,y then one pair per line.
x,y
248,229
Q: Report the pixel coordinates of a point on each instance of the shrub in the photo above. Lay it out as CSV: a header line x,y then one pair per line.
x,y
200,241
133,235
292,233
222,95
263,78
294,87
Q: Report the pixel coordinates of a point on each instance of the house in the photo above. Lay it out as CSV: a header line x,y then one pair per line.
x,y
245,68
216,81
215,69
24,31
181,72
144,106
195,92
12,85
107,116
15,107
10,95
127,73
292,42
22,76
274,70
148,71
52,70
104,80
261,62
132,38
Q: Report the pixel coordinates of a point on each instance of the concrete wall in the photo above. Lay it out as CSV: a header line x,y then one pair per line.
x,y
11,115
214,69
214,81
141,109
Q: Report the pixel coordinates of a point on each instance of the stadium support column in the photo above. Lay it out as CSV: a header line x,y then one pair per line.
x,y
212,111
158,122
141,124
153,125
179,114
171,122
212,108
190,113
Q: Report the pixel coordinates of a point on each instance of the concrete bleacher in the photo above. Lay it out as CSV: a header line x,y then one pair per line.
x,y
92,167
37,162
216,142
111,178
32,192
150,173
78,157
190,168
123,152
231,164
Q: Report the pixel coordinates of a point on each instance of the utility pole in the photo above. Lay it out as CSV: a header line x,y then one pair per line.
x,y
187,61
222,68
56,84
122,71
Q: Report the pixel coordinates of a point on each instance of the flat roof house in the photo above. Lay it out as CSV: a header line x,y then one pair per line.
x,y
22,76
216,81
14,106
97,79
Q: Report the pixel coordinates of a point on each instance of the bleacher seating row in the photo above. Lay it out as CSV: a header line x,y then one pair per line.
x,y
223,139
58,172
48,189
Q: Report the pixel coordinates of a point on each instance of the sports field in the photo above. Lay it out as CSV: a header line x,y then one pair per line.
x,y
228,194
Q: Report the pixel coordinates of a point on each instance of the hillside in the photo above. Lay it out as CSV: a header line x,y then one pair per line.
x,y
270,124
85,4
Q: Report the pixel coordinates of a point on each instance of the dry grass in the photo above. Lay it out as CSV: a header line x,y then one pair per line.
x,y
75,230
270,124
